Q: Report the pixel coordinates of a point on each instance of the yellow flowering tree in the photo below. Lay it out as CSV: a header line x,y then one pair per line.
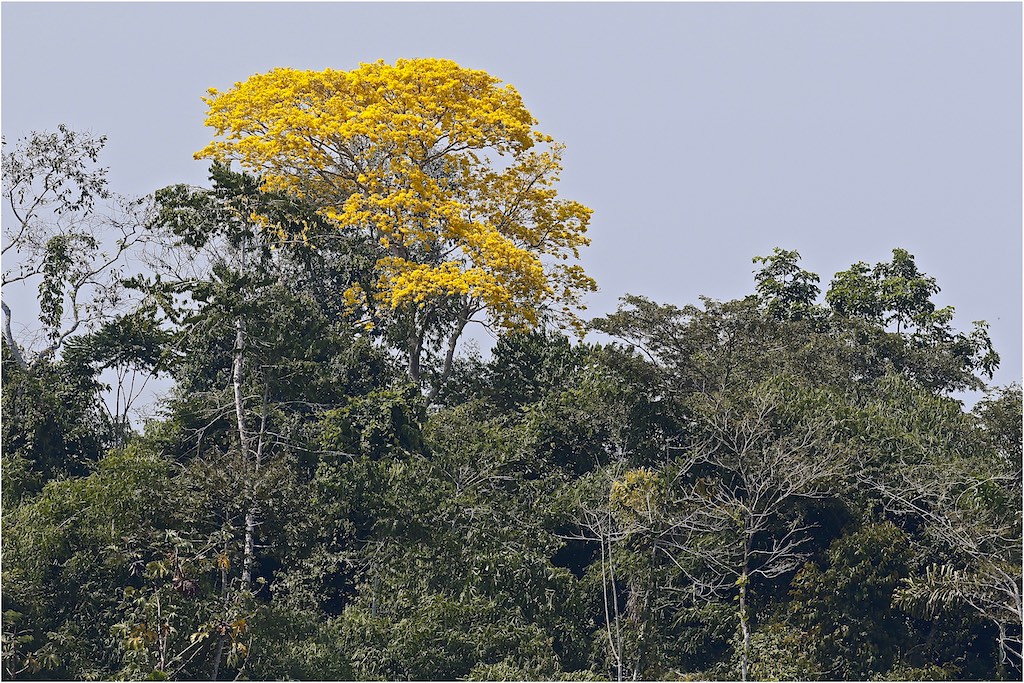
x,y
442,168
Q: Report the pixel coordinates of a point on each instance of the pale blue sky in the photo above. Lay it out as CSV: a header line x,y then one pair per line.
x,y
701,134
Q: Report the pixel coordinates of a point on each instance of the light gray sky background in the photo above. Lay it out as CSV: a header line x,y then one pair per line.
x,y
701,134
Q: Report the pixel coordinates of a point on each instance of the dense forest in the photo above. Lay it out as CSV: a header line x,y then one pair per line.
x,y
783,486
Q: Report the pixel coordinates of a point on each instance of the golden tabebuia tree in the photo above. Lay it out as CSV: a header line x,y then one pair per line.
x,y
442,167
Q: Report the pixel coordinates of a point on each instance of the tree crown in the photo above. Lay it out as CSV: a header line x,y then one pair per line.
x,y
403,153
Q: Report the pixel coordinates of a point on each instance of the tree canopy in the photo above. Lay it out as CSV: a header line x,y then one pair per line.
x,y
781,486
441,167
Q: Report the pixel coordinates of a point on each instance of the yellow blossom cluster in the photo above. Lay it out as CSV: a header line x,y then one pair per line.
x,y
637,493
438,163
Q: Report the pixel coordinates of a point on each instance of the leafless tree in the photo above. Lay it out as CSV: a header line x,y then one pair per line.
x,y
598,523
730,515
70,238
68,235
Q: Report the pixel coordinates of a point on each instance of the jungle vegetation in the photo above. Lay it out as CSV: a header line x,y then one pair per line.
x,y
782,486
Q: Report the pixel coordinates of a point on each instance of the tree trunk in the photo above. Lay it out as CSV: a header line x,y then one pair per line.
x,y
9,337
251,515
248,548
414,345
608,587
238,368
415,350
744,628
638,608
217,657
453,341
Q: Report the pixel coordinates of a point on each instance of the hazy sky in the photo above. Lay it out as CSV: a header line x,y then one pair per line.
x,y
701,134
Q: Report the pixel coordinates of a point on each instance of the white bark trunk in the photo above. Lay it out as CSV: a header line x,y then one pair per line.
x,y
9,337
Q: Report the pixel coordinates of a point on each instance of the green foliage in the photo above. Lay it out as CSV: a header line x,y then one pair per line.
x,y
764,485
52,427
787,291
844,610
440,638
527,365
63,163
296,645
929,672
893,292
67,551
382,422
780,653
135,340
1000,417
896,295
